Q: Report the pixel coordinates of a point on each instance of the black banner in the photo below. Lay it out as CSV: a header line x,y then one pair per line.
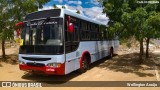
x,y
79,84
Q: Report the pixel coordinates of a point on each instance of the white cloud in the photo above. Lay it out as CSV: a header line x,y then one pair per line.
x,y
96,13
71,8
60,1
93,13
95,2
75,8
75,2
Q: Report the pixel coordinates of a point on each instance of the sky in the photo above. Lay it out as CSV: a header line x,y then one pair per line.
x,y
89,8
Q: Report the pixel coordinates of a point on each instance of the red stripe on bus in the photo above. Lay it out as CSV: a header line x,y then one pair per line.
x,y
45,70
83,54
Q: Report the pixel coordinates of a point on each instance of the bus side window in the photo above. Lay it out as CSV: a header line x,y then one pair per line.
x,y
105,35
75,32
88,31
66,28
85,32
71,38
80,29
67,36
93,32
97,32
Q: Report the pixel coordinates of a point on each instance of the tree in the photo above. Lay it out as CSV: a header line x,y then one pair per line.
x,y
132,17
138,18
136,24
152,10
153,24
6,31
13,11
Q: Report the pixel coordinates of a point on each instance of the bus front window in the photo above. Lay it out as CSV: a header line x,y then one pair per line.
x,y
38,35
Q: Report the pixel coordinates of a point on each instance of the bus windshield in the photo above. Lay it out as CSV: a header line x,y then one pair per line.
x,y
43,33
42,36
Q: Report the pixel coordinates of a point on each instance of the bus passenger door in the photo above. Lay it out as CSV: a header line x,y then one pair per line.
x,y
71,44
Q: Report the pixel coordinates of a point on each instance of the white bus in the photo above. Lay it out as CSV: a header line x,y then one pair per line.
x,y
58,42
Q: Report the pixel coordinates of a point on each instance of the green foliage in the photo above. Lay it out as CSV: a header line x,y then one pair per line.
x,y
115,30
153,24
131,18
19,8
128,17
6,32
134,22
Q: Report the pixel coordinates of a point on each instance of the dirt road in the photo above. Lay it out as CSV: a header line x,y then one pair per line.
x,y
122,67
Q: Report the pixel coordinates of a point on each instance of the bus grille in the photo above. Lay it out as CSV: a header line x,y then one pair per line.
x,y
36,59
36,64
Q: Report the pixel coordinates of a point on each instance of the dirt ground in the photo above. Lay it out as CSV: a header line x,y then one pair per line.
x,y
122,67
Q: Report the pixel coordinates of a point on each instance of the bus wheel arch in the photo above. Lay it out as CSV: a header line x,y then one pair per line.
x,y
84,60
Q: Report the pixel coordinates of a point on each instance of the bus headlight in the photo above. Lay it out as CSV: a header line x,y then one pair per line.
x,y
55,65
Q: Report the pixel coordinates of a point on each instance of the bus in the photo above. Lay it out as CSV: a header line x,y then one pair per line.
x,y
59,41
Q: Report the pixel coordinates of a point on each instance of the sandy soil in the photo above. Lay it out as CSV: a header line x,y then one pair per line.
x,y
122,67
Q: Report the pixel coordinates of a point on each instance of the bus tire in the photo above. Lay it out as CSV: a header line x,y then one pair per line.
x,y
85,65
111,53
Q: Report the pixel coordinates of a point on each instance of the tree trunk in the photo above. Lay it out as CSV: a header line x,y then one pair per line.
x,y
3,49
147,47
142,47
141,52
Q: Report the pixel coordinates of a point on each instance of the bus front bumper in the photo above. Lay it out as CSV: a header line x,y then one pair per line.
x,y
43,70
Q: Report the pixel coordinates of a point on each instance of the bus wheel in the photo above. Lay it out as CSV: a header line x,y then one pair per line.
x,y
111,53
85,65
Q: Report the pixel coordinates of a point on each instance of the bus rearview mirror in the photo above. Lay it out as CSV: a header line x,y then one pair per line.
x,y
18,25
70,27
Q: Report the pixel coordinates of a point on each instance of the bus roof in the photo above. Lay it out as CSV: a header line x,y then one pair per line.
x,y
51,13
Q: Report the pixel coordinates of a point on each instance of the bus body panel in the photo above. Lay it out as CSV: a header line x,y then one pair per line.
x,y
71,61
97,50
